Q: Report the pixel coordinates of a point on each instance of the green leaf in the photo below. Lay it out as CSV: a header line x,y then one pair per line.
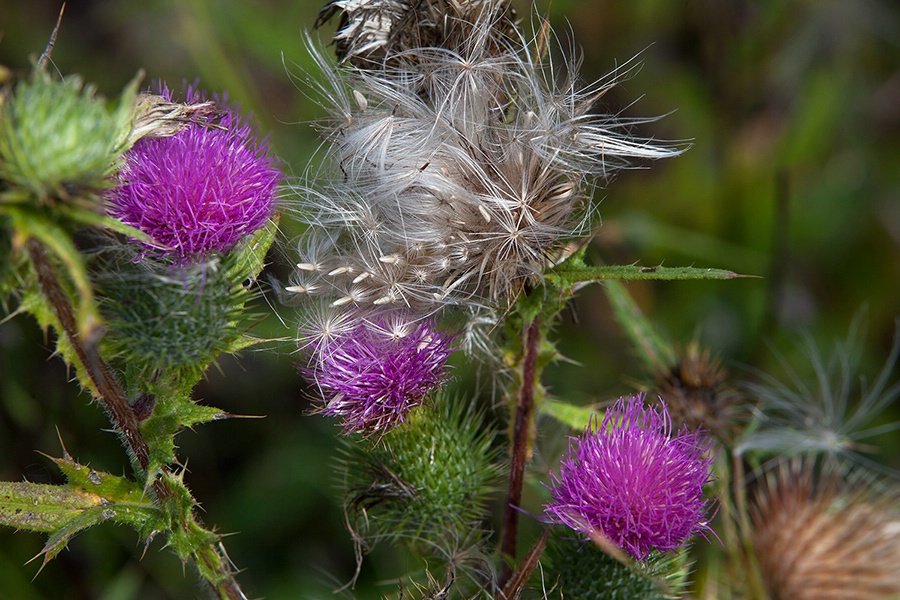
x,y
91,218
576,417
248,259
570,274
88,498
656,352
58,241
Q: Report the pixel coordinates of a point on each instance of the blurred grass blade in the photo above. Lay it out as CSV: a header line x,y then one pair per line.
x,y
655,352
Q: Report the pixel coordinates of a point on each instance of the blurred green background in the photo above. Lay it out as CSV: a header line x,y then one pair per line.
x,y
793,112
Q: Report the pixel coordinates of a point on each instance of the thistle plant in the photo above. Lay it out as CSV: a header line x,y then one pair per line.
x,y
443,228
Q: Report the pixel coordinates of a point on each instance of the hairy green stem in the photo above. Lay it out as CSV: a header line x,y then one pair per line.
x,y
755,585
520,444
212,560
109,393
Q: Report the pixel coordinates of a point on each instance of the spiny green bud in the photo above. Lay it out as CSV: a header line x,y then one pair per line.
x,y
57,136
161,316
428,479
586,572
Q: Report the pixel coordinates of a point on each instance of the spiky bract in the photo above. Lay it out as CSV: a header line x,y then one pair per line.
x,y
374,372
162,316
426,483
632,480
585,572
199,190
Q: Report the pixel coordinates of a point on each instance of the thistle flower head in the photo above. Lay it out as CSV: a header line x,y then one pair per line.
x,y
454,175
372,374
826,534
199,190
633,481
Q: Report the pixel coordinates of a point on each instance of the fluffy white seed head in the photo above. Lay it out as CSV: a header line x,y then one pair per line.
x,y
454,175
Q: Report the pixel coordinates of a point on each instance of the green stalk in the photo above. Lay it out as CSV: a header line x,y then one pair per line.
x,y
187,536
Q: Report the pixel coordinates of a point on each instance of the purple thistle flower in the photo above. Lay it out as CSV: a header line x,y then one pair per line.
x,y
634,482
371,376
199,190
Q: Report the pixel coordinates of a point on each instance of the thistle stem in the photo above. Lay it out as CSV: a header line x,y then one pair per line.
x,y
520,445
109,393
216,567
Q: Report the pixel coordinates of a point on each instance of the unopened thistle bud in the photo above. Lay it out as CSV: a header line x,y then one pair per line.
x,y
199,190
826,535
372,373
57,137
633,481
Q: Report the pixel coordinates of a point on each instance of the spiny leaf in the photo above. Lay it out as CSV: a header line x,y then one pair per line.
x,y
570,274
88,498
42,507
174,410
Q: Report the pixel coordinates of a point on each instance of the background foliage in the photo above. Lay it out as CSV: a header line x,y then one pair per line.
x,y
793,110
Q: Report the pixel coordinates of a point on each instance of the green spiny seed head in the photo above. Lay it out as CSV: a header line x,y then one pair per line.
x,y
586,572
57,136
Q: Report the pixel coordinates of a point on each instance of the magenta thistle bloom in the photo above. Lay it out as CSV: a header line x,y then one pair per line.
x,y
634,482
199,190
371,376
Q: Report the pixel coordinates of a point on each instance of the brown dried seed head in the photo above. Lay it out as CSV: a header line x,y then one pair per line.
x,y
698,394
372,32
819,536
155,116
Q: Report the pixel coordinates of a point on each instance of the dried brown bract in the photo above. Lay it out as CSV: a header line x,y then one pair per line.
x,y
371,31
698,393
